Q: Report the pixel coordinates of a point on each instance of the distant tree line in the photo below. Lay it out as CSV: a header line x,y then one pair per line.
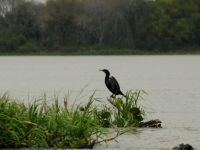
x,y
27,26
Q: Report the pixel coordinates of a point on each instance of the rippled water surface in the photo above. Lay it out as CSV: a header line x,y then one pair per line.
x,y
172,82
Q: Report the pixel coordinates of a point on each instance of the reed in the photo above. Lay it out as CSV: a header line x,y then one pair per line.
x,y
40,125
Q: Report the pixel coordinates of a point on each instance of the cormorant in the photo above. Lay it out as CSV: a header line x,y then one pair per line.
x,y
112,84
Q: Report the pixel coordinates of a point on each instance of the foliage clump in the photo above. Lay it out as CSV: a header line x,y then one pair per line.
x,y
39,125
123,112
42,125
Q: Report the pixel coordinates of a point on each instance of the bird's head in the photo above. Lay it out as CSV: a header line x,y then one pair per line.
x,y
105,71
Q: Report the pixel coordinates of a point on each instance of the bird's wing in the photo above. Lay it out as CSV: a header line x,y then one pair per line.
x,y
115,84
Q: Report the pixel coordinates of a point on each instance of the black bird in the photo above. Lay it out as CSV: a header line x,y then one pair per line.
x,y
112,84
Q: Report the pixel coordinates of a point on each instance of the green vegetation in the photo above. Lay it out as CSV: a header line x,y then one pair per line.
x,y
39,125
42,125
73,27
125,112
102,52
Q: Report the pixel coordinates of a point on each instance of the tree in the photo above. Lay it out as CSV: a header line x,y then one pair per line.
x,y
21,24
59,22
171,24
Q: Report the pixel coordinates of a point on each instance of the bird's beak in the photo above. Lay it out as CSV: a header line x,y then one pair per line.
x,y
100,70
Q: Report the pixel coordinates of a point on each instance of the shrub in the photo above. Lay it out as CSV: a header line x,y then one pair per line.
x,y
125,112
29,47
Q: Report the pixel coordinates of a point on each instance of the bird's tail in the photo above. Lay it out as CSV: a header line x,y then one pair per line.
x,y
122,94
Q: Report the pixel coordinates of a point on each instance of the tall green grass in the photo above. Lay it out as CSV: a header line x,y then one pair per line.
x,y
39,125
42,125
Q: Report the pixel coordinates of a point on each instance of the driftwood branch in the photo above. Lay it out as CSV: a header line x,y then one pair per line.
x,y
91,144
110,139
152,124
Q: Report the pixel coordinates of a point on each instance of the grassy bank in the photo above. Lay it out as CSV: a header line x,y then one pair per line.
x,y
103,51
42,125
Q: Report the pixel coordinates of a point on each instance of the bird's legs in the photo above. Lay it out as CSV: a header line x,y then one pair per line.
x,y
112,96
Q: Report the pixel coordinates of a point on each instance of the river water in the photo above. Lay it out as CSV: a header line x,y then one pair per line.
x,y
172,84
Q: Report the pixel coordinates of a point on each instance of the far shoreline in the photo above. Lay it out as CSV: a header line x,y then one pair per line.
x,y
101,52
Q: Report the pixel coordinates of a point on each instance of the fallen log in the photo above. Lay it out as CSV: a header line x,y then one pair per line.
x,y
151,124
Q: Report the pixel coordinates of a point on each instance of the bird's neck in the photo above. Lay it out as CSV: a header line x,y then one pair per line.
x,y
107,77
